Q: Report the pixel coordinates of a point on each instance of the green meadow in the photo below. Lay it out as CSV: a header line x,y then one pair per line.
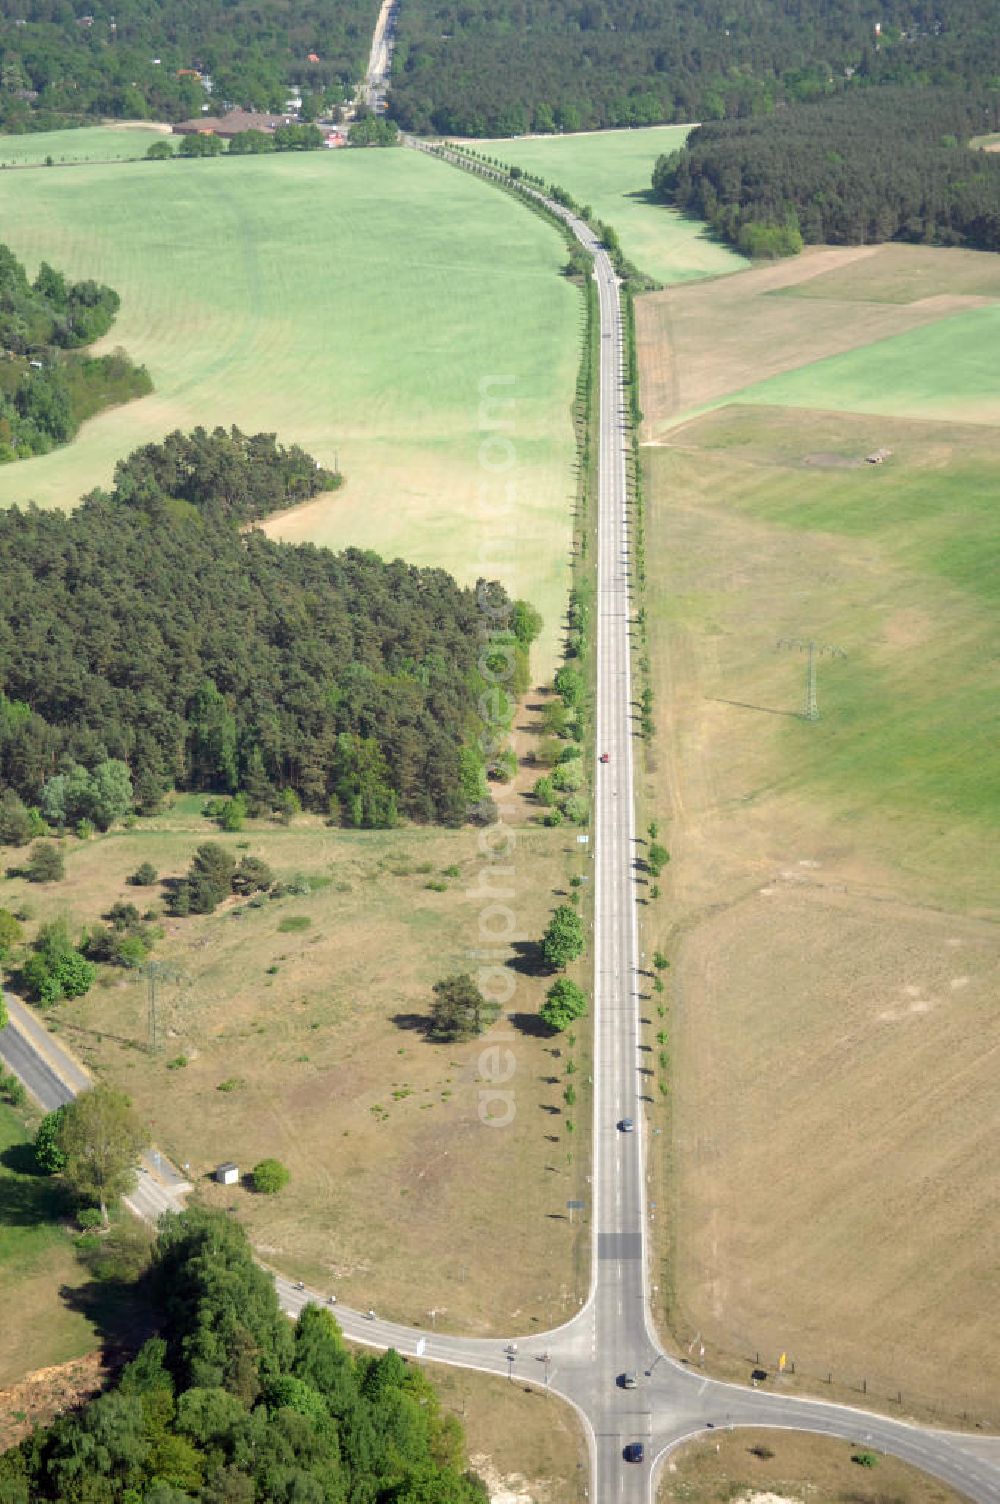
x,y
352,302
946,370
896,565
96,143
39,1274
612,171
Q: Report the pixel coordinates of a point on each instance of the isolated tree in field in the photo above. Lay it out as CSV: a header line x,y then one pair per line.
x,y
102,1139
159,151
270,1176
49,1155
563,941
564,1003
209,880
460,1011
144,875
45,863
657,857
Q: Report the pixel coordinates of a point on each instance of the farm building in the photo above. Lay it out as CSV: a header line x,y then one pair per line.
x,y
232,124
228,1174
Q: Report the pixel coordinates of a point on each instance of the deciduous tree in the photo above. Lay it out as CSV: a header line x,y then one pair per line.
x,y
102,1139
460,1011
564,1003
563,940
45,863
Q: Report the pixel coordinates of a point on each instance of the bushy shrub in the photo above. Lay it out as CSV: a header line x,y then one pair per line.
x,y
46,864
270,1176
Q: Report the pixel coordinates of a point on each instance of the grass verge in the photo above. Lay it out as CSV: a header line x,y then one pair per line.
x,y
791,1465
526,1444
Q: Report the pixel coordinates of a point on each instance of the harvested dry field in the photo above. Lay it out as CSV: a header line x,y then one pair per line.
x,y
786,1467
294,1027
704,341
831,915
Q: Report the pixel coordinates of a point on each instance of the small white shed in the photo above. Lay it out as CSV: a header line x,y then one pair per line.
x,y
228,1174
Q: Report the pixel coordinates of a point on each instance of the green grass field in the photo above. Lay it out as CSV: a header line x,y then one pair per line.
x,y
946,370
97,143
36,1264
355,303
612,171
910,741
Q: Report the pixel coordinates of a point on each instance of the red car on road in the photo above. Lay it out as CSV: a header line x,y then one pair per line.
x,y
605,757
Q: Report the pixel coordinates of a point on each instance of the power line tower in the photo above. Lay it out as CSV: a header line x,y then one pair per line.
x,y
813,651
157,972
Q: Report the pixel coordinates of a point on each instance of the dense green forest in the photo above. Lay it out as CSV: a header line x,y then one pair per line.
x,y
148,629
46,388
475,68
126,58
874,165
232,475
510,66
232,1404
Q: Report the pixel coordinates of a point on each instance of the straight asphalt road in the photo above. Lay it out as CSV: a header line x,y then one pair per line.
x,y
613,1334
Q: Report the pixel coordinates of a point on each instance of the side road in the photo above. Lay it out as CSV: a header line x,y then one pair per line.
x,y
53,1076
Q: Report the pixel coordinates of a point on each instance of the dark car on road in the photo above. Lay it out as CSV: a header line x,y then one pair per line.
x,y
634,1452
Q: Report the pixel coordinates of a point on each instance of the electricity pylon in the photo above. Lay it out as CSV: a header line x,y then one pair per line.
x,y
813,651
156,972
